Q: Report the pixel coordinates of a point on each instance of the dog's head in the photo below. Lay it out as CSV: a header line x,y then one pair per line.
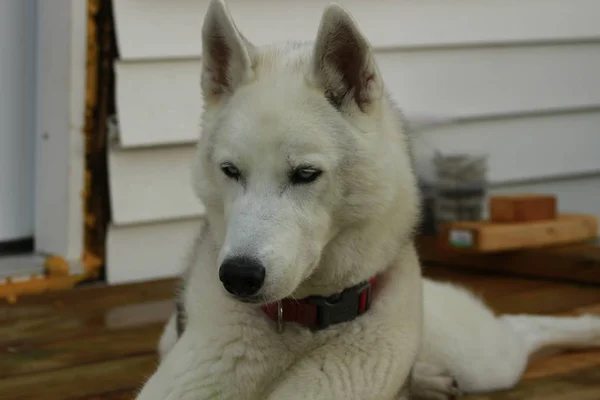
x,y
299,144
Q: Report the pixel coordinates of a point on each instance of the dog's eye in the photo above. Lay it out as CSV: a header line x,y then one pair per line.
x,y
304,175
231,171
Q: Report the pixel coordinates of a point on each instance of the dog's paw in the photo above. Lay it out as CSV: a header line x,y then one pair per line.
x,y
429,382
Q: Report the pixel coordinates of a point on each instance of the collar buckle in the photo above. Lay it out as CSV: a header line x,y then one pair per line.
x,y
341,307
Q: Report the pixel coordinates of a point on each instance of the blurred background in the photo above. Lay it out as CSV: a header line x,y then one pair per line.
x,y
100,105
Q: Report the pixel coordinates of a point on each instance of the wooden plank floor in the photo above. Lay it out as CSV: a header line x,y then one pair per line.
x,y
99,343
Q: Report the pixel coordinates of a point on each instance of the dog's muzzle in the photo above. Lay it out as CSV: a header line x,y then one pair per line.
x,y
242,276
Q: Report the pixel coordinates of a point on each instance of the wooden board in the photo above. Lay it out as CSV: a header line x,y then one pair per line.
x,y
571,263
579,385
81,381
99,343
522,208
89,346
484,236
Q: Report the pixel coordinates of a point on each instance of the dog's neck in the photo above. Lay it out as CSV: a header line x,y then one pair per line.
x,y
317,312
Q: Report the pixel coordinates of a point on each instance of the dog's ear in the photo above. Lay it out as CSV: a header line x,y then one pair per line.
x,y
343,63
226,54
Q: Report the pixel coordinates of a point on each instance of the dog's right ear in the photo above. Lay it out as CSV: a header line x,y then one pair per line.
x,y
226,54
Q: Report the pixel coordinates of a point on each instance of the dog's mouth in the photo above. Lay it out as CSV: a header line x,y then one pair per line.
x,y
248,299
256,300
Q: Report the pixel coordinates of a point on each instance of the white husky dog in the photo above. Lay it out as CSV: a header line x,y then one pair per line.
x,y
304,283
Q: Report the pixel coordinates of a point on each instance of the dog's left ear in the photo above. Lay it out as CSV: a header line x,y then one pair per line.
x,y
343,63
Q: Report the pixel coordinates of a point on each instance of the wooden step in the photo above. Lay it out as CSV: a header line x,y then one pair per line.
x,y
485,236
570,263
522,208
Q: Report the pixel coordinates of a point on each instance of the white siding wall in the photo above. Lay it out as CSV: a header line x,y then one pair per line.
x,y
518,77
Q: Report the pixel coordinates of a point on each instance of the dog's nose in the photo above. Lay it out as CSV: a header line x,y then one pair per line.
x,y
242,276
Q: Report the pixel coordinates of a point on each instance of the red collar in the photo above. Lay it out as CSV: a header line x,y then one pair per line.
x,y
319,312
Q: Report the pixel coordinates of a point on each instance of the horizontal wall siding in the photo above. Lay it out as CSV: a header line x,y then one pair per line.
x,y
523,148
517,80
160,102
497,80
575,195
149,251
172,29
152,185
166,244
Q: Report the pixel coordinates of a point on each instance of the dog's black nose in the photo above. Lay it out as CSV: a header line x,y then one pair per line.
x,y
242,276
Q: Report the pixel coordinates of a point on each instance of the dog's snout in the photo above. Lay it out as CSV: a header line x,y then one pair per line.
x,y
242,276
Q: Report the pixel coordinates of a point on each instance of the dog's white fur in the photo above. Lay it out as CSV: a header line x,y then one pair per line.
x,y
322,106
269,111
463,338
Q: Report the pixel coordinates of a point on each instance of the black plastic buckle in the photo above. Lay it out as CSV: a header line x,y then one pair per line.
x,y
341,307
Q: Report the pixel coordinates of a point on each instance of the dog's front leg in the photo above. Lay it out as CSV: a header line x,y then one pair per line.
x,y
371,358
317,379
182,375
368,367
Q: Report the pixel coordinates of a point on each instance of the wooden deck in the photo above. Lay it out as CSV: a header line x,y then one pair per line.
x,y
99,343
